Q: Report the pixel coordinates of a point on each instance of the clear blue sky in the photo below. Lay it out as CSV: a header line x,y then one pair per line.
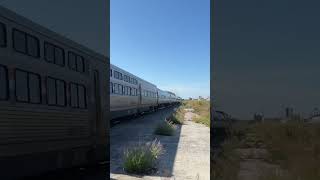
x,y
165,42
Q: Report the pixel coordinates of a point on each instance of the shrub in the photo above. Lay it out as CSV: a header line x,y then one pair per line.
x,y
166,128
141,158
177,117
203,120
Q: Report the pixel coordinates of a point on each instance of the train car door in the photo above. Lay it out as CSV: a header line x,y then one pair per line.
x,y
97,101
157,96
140,97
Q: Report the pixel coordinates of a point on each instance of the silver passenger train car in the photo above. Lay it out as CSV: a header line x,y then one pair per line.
x,y
54,100
131,95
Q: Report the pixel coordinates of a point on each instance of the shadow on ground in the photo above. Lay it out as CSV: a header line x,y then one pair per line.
x,y
97,172
141,130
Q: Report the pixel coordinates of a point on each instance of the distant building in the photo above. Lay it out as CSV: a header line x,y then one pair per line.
x,y
314,116
288,112
315,112
258,117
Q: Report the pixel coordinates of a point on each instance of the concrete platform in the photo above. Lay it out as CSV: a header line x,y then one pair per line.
x,y
187,153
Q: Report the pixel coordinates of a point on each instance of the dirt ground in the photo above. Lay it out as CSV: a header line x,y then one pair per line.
x,y
187,153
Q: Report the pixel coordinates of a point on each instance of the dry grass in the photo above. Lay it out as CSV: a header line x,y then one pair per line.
x,y
202,108
166,128
295,146
225,165
178,116
142,158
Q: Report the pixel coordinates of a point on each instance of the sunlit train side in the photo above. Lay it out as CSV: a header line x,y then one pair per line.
x,y
164,98
131,95
148,95
124,97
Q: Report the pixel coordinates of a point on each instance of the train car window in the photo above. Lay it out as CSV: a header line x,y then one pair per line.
x,y
33,46
120,89
72,60
115,88
51,91
49,52
74,95
28,88
3,83
82,96
22,86
19,41
80,64
3,35
130,91
59,56
61,93
34,88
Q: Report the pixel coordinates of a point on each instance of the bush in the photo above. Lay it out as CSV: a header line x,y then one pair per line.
x,y
166,128
203,120
141,159
177,117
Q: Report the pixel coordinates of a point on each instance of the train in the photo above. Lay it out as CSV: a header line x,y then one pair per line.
x,y
54,100
57,98
131,95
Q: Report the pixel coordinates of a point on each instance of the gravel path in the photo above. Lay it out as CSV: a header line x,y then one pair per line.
x,y
187,153
253,165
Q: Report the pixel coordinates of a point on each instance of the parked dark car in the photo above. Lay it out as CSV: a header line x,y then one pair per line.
x,y
221,124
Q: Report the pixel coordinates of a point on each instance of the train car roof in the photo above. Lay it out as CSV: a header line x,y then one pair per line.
x,y
16,18
112,66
